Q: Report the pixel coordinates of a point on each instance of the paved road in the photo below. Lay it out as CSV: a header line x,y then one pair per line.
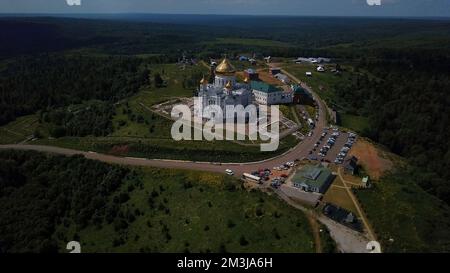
x,y
301,150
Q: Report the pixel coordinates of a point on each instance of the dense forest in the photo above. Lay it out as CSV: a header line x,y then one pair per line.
x,y
170,36
92,118
29,84
407,103
40,192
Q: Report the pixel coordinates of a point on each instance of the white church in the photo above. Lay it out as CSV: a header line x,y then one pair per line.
x,y
225,90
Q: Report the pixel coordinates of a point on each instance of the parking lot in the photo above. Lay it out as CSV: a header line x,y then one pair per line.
x,y
273,177
333,146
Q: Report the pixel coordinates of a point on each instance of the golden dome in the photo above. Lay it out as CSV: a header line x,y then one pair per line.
x,y
225,67
228,85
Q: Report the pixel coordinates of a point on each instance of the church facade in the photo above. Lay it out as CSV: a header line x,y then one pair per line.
x,y
225,90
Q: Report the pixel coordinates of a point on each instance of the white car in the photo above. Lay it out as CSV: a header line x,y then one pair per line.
x,y
229,172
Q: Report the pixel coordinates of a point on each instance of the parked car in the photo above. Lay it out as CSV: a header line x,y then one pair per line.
x,y
229,172
276,183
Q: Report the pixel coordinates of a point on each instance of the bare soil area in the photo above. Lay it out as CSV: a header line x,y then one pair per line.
x,y
374,161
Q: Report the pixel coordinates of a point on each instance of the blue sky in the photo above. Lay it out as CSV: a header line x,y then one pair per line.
x,y
257,7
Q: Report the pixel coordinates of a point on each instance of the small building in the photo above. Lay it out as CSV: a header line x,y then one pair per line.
x,y
252,61
274,70
351,165
320,69
251,74
308,74
267,94
366,182
283,78
301,60
323,60
312,60
342,216
313,179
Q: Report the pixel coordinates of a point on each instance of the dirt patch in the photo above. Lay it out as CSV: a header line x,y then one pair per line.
x,y
267,78
371,158
316,233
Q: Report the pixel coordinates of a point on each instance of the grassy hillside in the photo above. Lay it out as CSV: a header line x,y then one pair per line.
x,y
200,212
109,208
404,216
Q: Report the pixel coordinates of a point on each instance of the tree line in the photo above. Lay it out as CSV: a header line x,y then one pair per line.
x,y
406,100
39,193
49,81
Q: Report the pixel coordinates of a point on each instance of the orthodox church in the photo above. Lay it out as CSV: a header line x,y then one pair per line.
x,y
225,90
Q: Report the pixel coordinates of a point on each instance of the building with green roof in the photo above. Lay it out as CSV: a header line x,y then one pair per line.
x,y
268,94
264,87
313,178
